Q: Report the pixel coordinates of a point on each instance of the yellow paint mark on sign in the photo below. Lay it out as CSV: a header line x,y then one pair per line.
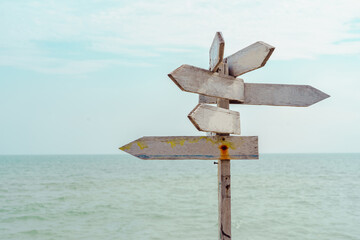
x,y
213,140
175,142
142,145
172,143
126,147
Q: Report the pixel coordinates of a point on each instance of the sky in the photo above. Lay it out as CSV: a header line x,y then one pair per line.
x,y
86,77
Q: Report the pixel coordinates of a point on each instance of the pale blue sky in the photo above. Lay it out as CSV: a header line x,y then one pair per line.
x,y
90,76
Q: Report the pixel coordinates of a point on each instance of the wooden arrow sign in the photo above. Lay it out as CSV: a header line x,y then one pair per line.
x,y
250,58
191,147
276,95
198,80
214,119
216,52
282,95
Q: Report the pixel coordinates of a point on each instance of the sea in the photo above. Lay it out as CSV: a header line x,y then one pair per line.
x,y
279,196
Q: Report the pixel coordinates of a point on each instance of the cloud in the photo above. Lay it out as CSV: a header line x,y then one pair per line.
x,y
299,29
64,66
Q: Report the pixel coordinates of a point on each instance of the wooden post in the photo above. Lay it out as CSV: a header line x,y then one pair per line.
x,y
220,85
224,190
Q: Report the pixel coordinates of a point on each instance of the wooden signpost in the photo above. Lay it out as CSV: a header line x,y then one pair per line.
x,y
219,85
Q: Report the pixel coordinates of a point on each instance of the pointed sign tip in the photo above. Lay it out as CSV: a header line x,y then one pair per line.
x,y
197,80
216,52
267,45
192,120
323,95
219,34
126,147
271,50
316,95
173,74
191,117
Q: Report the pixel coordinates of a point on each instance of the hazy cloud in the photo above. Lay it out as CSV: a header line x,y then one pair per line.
x,y
299,29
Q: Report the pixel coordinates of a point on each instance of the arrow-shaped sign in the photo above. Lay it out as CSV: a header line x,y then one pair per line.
x,y
216,52
206,148
250,58
197,80
276,95
282,95
214,119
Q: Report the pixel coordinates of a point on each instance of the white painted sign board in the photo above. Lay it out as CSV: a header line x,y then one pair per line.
x,y
276,95
220,85
208,118
216,53
197,80
193,147
250,58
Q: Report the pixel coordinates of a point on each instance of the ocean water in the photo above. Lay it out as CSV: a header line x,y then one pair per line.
x,y
280,196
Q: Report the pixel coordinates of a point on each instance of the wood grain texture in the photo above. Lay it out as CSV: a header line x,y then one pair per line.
x,y
196,80
282,95
250,58
194,147
277,95
224,197
208,118
216,53
207,99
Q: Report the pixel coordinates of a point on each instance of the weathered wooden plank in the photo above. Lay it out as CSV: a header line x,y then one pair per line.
x,y
250,58
222,69
194,147
282,95
207,99
196,80
277,95
216,53
208,118
213,100
224,197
